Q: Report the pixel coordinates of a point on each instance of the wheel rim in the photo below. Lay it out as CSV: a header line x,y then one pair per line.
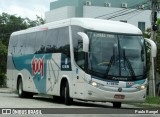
x,y
20,88
65,93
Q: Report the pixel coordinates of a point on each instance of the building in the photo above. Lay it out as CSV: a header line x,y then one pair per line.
x,y
136,12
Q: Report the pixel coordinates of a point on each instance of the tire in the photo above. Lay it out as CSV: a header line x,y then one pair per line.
x,y
58,99
68,100
21,93
117,104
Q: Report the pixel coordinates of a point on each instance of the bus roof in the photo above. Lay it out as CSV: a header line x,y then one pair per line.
x,y
88,23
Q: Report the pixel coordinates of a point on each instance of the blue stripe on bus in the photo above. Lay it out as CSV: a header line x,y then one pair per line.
x,y
28,62
36,65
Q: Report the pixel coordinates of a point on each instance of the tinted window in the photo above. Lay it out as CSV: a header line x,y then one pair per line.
x,y
30,43
21,46
13,45
51,41
78,46
40,42
141,26
63,45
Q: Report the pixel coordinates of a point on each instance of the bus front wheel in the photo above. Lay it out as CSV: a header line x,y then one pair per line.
x,y
68,99
117,104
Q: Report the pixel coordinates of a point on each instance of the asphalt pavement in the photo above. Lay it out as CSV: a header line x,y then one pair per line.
x,y
9,90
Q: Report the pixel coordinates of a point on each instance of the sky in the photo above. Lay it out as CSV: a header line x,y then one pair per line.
x,y
25,8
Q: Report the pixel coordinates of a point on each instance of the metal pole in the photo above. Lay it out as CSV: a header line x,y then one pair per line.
x,y
153,80
153,37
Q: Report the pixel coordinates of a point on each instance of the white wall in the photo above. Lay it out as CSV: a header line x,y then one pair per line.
x,y
60,13
132,18
95,11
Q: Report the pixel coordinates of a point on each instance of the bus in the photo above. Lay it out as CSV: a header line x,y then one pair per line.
x,y
79,58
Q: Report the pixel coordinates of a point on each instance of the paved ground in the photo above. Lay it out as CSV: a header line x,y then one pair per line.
x,y
11,100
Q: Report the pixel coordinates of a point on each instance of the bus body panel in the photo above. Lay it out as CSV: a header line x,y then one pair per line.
x,y
43,73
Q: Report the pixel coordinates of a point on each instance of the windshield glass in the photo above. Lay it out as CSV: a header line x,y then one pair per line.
x,y
119,57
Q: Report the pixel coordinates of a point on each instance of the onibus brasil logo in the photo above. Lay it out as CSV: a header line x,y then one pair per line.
x,y
37,65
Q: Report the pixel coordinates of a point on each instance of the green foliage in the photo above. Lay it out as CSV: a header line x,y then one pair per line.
x,y
8,25
147,34
158,21
158,51
12,23
158,47
3,57
2,80
153,100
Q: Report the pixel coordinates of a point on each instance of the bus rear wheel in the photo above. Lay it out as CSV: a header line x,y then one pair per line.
x,y
21,93
58,99
117,104
68,99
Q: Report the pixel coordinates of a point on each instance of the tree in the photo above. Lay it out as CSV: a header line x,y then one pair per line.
x,y
147,34
8,25
12,23
3,57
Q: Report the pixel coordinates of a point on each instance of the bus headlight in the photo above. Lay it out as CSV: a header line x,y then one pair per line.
x,y
95,84
142,87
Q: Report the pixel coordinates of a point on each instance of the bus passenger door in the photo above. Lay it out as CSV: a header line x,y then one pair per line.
x,y
79,74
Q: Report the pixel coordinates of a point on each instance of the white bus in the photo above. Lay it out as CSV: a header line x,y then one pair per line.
x,y
79,58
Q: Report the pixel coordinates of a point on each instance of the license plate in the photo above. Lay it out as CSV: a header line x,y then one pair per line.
x,y
119,96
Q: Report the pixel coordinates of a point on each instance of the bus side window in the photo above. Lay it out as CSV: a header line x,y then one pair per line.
x,y
78,46
30,43
12,45
15,45
21,44
40,42
51,41
63,45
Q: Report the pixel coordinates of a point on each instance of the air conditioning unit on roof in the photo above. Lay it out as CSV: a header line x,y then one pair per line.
x,y
124,5
141,7
88,3
107,4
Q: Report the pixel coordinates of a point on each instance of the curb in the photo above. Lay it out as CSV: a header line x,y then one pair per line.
x,y
5,90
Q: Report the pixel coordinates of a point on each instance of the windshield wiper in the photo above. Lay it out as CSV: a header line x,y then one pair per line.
x,y
130,68
112,60
109,66
126,60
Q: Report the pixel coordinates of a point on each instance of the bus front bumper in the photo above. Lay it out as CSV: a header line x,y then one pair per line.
x,y
97,94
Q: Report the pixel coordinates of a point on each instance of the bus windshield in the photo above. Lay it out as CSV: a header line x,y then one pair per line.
x,y
116,56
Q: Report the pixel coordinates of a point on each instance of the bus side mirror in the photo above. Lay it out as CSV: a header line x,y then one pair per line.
x,y
85,41
153,47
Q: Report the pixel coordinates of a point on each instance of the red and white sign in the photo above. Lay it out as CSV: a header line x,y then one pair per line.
x,y
37,65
